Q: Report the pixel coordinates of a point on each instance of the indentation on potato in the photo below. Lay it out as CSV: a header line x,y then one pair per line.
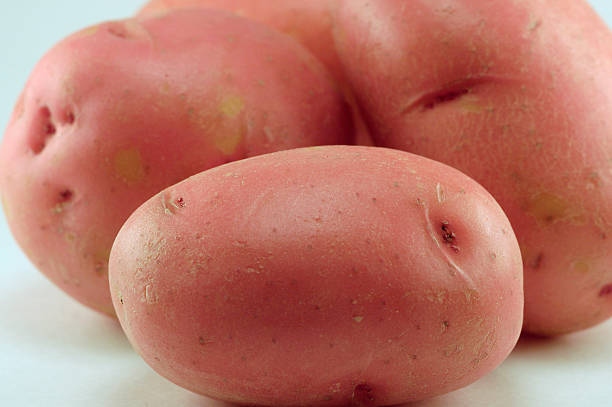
x,y
452,92
129,166
42,129
449,237
170,205
606,291
64,198
363,395
127,30
69,117
548,208
118,30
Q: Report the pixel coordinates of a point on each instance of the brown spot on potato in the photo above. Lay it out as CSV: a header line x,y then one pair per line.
x,y
129,166
449,237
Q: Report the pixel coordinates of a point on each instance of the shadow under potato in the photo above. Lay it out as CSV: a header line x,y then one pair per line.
x,y
37,314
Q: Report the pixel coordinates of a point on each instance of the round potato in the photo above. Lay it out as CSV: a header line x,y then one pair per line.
x,y
517,95
119,111
310,22
320,276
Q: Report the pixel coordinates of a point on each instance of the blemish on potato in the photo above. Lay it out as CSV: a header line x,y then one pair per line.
x,y
363,395
548,208
580,267
86,32
470,104
129,166
228,141
149,296
441,193
65,196
438,296
449,236
606,290
170,205
164,89
231,106
358,319
471,295
452,350
42,129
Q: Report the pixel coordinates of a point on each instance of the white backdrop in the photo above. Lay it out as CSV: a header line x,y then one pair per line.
x,y
54,352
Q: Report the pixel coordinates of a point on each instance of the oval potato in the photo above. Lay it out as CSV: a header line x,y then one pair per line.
x,y
117,112
517,95
320,276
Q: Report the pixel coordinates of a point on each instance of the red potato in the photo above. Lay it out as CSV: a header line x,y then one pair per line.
x,y
320,276
119,111
518,95
309,22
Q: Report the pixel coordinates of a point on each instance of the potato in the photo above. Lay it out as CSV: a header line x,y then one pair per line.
x,y
517,95
320,276
309,22
117,112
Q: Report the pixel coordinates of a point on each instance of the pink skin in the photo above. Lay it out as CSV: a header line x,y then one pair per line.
x,y
309,22
518,95
320,276
117,112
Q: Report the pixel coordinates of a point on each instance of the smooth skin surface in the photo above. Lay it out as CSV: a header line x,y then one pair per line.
x,y
518,95
119,111
309,22
320,276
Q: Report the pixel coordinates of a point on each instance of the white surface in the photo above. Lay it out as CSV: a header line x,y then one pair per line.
x,y
54,352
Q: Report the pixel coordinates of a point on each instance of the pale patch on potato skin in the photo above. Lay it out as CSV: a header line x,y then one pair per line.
x,y
128,166
549,208
231,106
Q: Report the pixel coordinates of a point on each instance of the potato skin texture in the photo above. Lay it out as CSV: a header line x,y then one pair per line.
x,y
320,276
500,91
309,22
117,112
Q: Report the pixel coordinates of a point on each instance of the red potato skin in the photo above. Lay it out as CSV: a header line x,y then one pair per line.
x,y
114,114
309,22
320,276
517,95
